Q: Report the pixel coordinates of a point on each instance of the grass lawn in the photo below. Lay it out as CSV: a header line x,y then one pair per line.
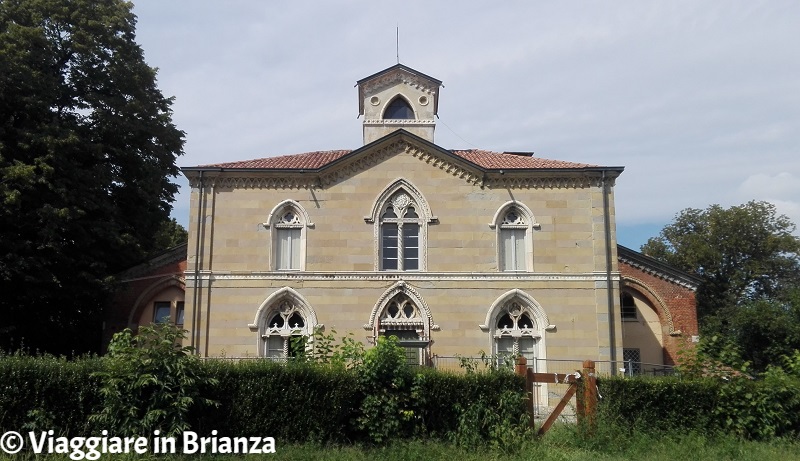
x,y
560,444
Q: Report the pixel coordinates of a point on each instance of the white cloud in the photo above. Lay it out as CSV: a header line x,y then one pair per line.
x,y
695,99
781,189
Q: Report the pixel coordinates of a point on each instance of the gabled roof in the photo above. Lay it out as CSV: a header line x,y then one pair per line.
x,y
657,268
404,73
479,159
319,159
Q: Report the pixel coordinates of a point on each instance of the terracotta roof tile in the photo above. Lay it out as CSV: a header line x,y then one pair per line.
x,y
495,160
482,158
308,160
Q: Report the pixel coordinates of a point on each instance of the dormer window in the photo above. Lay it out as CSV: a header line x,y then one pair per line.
x,y
399,109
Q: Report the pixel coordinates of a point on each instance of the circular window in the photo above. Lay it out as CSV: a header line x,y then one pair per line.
x,y
423,100
375,100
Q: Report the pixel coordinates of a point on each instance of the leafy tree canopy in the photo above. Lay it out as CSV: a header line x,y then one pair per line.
x,y
87,150
743,253
749,261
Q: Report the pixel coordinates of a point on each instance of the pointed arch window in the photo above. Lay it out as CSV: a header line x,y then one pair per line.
x,y
515,332
514,223
288,221
285,333
401,318
399,109
400,234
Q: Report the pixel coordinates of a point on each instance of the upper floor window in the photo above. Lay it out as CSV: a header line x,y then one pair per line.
x,y
513,223
399,109
288,221
400,226
400,216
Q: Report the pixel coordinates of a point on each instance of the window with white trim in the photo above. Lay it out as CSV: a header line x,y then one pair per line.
x,y
402,318
288,236
513,231
515,333
400,234
286,332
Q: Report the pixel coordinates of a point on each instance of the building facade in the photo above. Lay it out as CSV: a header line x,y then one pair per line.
x,y
455,252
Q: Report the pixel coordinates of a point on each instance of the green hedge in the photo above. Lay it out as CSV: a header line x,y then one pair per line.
x,y
756,409
294,402
42,393
441,398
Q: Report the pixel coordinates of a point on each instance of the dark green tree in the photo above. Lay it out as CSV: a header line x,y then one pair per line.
x,y
87,151
744,253
749,262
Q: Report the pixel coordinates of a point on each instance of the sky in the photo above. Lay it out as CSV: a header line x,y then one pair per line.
x,y
699,101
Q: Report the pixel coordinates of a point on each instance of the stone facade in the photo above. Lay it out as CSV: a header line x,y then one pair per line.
x,y
454,252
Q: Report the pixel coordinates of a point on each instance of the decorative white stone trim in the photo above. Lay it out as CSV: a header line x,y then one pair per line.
x,y
394,187
404,190
390,79
540,316
281,206
401,287
498,215
390,276
536,314
399,121
271,304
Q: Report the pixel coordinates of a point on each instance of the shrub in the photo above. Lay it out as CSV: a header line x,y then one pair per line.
x,y
149,382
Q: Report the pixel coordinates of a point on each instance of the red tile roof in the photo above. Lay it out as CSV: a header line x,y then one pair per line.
x,y
521,160
482,158
306,161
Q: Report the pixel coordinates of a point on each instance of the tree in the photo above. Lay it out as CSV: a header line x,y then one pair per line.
x,y
749,263
744,253
87,150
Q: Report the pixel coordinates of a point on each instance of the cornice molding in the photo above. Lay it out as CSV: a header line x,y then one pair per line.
x,y
348,166
407,276
657,268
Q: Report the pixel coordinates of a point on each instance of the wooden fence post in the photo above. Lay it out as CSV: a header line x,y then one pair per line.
x,y
587,398
521,369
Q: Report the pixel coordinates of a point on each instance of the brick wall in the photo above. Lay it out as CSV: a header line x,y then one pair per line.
x,y
671,301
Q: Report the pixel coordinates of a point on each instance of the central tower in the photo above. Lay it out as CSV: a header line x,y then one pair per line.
x,y
395,98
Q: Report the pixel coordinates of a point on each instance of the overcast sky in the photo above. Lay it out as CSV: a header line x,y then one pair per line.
x,y
699,101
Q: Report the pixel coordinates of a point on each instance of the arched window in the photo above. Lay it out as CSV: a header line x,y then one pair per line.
x,y
283,322
399,109
285,332
515,333
514,223
288,221
401,318
400,234
401,312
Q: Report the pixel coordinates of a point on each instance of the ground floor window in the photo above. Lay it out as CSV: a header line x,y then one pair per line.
x,y
285,334
633,361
